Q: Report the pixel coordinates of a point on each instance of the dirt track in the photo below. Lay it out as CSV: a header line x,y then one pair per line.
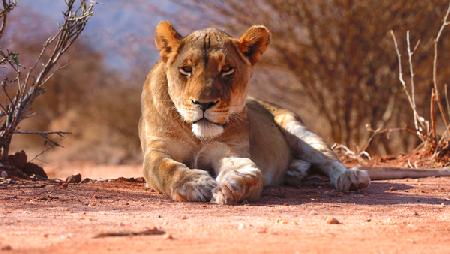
x,y
402,216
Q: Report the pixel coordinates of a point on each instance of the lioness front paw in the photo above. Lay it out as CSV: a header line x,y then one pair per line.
x,y
197,185
351,179
238,185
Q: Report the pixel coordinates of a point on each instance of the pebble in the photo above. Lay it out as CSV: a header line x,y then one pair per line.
x,y
74,178
168,237
281,221
88,180
10,181
262,230
6,248
332,220
313,213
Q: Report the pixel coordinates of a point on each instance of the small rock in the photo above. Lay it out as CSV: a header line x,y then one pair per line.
x,y
6,248
3,174
35,177
392,188
416,213
184,217
10,181
19,159
74,178
442,205
64,185
241,226
34,169
262,230
281,221
168,236
87,180
313,213
332,220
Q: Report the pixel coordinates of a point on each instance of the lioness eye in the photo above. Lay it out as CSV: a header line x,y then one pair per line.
x,y
186,70
227,70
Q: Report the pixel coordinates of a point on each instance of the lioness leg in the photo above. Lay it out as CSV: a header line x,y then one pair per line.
x,y
238,179
311,148
176,179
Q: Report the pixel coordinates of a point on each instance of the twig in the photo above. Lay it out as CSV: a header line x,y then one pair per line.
x,y
421,125
447,102
360,156
432,114
46,133
7,7
435,63
388,131
146,232
411,73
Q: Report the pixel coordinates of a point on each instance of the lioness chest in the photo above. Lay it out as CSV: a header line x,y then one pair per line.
x,y
260,139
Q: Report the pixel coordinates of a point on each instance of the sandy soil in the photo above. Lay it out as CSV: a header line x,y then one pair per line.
x,y
401,216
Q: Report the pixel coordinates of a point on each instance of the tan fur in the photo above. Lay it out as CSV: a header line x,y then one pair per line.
x,y
197,123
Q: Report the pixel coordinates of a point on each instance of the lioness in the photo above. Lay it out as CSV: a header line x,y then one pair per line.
x,y
204,140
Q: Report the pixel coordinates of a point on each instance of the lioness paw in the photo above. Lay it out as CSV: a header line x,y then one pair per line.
x,y
297,171
198,185
351,179
238,185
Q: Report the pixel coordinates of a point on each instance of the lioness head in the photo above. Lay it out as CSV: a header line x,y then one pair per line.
x,y
208,73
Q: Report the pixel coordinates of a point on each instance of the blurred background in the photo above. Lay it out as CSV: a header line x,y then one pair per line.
x,y
331,61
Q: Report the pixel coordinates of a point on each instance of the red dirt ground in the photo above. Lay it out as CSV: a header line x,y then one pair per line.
x,y
401,216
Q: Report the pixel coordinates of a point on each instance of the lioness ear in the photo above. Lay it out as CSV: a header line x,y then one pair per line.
x,y
167,39
254,42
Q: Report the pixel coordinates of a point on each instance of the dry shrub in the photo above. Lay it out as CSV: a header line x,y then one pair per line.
x,y
99,107
334,60
22,85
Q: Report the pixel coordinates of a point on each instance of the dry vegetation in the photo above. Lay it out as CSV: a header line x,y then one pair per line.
x,y
21,86
341,63
333,62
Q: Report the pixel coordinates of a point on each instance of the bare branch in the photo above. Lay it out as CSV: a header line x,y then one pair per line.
x,y
421,125
435,63
447,101
75,20
8,5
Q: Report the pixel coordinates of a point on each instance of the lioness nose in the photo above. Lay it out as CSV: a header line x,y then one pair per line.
x,y
205,105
